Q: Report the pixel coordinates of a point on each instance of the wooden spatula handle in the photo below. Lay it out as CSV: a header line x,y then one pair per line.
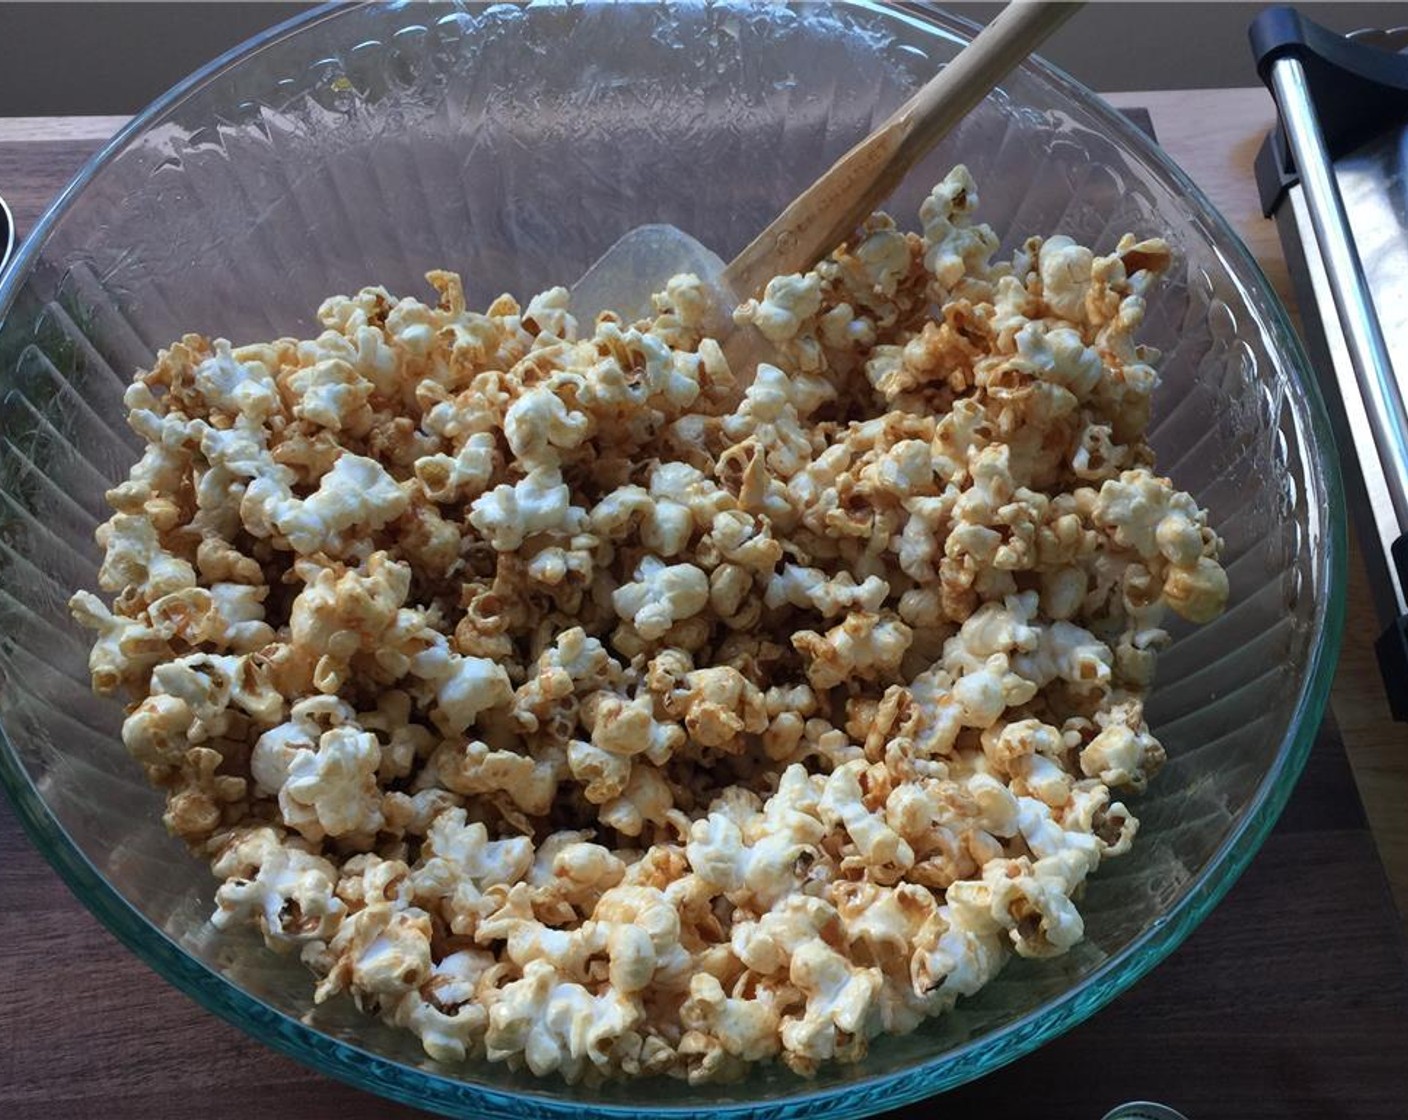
x,y
826,213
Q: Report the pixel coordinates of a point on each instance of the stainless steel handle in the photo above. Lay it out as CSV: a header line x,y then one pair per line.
x,y
1364,338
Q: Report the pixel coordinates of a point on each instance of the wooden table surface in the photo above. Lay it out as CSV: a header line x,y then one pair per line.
x,y
1291,1000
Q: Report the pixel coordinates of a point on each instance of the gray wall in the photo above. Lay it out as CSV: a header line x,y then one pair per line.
x,y
84,58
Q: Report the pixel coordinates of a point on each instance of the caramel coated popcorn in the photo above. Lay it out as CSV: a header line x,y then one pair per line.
x,y
564,705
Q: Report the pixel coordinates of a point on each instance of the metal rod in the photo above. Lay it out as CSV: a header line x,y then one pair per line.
x,y
7,234
1363,335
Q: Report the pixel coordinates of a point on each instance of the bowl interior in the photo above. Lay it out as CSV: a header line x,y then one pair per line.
x,y
514,145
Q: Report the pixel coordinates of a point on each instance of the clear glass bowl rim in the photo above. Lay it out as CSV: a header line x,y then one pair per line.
x,y
420,1088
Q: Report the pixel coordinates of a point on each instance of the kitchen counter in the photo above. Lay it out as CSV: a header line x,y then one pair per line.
x,y
1291,1000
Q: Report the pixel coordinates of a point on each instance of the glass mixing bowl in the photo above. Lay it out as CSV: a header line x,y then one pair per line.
x,y
514,144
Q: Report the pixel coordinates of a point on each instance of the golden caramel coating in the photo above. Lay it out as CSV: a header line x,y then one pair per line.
x,y
571,709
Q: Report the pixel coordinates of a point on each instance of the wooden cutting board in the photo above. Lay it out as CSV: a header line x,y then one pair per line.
x,y
1291,1000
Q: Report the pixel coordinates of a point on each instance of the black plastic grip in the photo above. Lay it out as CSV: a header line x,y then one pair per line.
x,y
1392,646
1358,90
1392,651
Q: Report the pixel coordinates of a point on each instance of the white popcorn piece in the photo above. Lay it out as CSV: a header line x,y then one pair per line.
x,y
358,345
274,751
468,851
157,733
1121,756
627,728
665,523
240,610
210,683
134,557
883,258
952,247
743,1028
1067,853
1143,513
538,503
770,411
670,379
660,596
473,768
229,615
787,302
333,791
865,645
548,312
646,799
381,950
603,774
1067,652
887,921
906,470
955,957
125,648
336,616
810,587
957,436
331,394
356,493
1063,592
1065,276
237,387
1199,593
843,803
467,687
453,478
766,945
558,1027
1059,356
461,688
448,1019
766,867
843,330
540,425
284,890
